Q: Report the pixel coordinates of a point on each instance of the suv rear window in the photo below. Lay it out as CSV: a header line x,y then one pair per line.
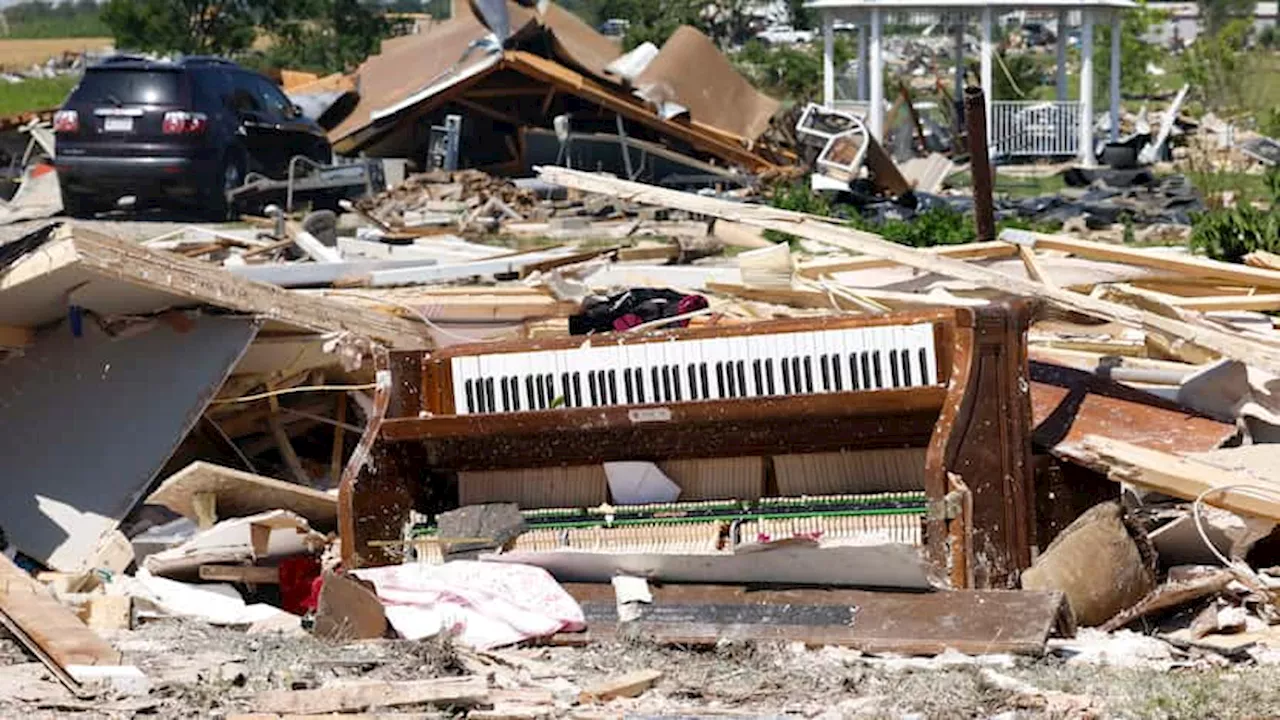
x,y
130,87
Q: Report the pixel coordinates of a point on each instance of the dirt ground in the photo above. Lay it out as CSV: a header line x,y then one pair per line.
x,y
19,54
200,671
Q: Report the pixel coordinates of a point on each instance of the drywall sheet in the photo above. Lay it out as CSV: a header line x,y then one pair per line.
x,y
87,422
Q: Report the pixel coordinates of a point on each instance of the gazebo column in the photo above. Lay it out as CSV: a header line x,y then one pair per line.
x,y
959,19
1115,75
985,68
875,114
828,60
1062,56
1086,90
863,90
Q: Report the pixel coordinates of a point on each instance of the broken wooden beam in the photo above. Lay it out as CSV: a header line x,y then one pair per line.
x,y
822,230
242,574
968,251
366,695
49,630
1181,477
622,686
240,494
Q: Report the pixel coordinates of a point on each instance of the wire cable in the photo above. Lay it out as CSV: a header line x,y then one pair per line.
x,y
299,389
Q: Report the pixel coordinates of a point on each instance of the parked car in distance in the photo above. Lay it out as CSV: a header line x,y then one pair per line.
x,y
614,27
784,35
181,132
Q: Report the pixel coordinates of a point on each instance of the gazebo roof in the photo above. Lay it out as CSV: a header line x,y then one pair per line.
x,y
945,5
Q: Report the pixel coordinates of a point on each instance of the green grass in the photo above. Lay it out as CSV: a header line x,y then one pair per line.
x,y
35,94
57,27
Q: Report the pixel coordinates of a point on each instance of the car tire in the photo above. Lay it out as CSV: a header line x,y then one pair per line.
x,y
79,205
230,175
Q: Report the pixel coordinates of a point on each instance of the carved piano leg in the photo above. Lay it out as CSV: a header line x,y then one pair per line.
x,y
984,437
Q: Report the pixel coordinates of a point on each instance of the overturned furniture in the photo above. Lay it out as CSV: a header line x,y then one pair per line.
x,y
814,399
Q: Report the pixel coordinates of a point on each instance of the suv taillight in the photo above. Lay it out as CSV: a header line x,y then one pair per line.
x,y
66,121
181,122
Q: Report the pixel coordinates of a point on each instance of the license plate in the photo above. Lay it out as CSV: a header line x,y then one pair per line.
x,y
117,124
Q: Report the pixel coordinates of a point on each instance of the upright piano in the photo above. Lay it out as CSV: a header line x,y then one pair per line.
x,y
912,426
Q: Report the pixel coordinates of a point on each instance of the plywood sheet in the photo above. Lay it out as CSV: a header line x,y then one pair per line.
x,y
87,422
240,494
857,472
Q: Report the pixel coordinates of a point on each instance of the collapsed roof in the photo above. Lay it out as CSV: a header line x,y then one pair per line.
x,y
552,64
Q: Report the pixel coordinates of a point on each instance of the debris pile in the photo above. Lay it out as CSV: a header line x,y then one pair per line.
x,y
424,196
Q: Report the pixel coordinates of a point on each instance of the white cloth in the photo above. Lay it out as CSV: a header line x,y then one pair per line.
x,y
485,605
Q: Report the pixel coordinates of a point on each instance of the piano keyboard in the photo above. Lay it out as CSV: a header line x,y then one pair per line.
x,y
737,367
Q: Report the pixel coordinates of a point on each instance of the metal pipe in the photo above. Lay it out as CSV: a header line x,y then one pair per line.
x,y
975,113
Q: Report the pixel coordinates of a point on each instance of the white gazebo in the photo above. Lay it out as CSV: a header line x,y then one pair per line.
x,y
1060,127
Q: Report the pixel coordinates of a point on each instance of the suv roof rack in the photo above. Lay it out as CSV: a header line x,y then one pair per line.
x,y
206,59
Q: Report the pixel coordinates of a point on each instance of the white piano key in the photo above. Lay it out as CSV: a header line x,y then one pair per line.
x,y
930,357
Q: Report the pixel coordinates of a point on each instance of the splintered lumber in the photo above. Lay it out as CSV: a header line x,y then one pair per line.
x,y
243,574
112,276
1181,264
240,494
1181,477
628,685
1263,259
363,695
1265,301
49,630
969,251
821,230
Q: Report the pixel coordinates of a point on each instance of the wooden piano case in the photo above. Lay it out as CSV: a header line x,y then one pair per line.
x,y
974,426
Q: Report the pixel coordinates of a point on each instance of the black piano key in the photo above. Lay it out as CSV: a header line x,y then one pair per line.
x,y
639,385
877,370
808,374
577,389
785,364
551,390
730,380
854,383
693,382
757,369
515,393
564,388
530,394
489,397
506,396
594,391
705,372
768,376
824,362
905,362
613,387
742,379
924,366
720,380
665,374
837,375
797,376
629,387
544,392
895,375
865,362
470,386
656,388
675,383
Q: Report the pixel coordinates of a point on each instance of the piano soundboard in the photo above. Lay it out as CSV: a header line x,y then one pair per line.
x,y
718,368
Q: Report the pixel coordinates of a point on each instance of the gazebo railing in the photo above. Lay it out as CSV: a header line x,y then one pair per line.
x,y
1021,128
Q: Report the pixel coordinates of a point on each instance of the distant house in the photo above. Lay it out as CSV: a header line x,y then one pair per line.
x,y
1185,24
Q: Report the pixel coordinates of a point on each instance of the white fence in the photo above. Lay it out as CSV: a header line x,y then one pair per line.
x,y
1036,129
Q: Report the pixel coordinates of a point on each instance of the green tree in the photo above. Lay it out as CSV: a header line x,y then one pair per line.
x,y
1216,14
1218,68
324,35
191,27
1135,55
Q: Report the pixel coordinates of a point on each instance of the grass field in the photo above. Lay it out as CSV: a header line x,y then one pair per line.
x,y
22,54
35,94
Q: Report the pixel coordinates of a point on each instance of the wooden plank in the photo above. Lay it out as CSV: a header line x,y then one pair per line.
x,y
629,685
1182,264
1227,344
244,574
1180,477
48,629
1035,270
1268,301
968,251
1263,259
241,494
335,455
15,337
204,283
367,695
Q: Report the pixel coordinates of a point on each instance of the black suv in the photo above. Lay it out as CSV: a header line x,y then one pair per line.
x,y
184,131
